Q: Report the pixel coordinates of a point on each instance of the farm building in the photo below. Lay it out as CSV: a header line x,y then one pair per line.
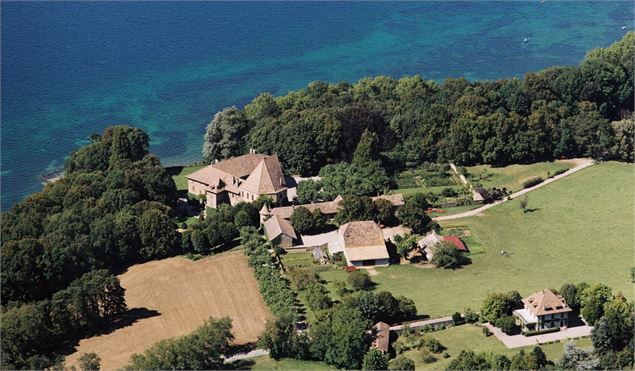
x,y
427,244
381,336
280,230
328,208
543,310
239,179
363,244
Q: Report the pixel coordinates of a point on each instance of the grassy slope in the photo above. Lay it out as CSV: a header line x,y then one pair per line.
x,y
180,173
581,231
470,337
513,176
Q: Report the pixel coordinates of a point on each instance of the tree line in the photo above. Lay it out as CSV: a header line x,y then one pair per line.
x,y
33,332
111,209
582,110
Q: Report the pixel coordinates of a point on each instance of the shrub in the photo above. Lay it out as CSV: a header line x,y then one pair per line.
x,y
359,280
374,359
301,278
507,324
89,362
532,182
448,256
401,363
446,355
457,318
427,357
434,345
559,171
317,297
470,316
486,331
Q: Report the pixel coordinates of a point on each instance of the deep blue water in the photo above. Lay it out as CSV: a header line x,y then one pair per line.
x,y
71,69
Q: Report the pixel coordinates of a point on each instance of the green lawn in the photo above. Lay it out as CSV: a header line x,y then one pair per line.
x,y
512,176
469,337
266,363
581,230
455,210
455,339
190,221
179,173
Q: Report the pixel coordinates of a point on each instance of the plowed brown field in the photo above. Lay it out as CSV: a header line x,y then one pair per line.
x,y
173,297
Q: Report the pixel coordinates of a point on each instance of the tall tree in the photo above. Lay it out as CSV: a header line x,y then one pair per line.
x,y
225,135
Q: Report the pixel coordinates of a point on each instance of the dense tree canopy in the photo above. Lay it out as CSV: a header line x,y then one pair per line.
x,y
33,331
559,111
225,135
111,209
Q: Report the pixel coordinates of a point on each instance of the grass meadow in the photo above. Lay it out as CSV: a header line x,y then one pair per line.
x,y
579,229
513,176
179,173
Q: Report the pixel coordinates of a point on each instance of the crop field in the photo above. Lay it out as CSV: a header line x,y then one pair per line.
x,y
172,297
578,229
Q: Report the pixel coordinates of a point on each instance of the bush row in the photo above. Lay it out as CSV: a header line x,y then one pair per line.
x,y
540,332
273,287
532,182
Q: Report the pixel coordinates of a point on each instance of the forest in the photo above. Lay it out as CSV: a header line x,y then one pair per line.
x,y
559,112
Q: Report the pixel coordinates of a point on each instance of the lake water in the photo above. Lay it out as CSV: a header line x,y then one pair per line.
x,y
71,69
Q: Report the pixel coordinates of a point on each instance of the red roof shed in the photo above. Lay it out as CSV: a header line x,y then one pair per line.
x,y
456,241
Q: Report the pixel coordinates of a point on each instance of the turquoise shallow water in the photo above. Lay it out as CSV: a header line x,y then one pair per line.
x,y
70,69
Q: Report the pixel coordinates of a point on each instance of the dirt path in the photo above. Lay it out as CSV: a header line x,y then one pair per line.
x,y
581,163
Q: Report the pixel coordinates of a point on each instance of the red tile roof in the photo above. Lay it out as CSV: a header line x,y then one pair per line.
x,y
456,241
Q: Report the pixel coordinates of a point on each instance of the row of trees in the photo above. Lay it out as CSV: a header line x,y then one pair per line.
x,y
560,111
111,209
33,332
469,360
274,288
201,350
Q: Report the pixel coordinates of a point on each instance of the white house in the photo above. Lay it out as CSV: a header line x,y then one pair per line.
x,y
543,310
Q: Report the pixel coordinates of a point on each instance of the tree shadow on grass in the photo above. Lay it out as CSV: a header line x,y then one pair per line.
x,y
531,210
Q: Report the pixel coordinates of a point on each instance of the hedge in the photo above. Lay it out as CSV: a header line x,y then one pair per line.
x,y
540,332
532,182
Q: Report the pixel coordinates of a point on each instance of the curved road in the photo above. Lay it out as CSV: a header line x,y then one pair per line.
x,y
581,163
